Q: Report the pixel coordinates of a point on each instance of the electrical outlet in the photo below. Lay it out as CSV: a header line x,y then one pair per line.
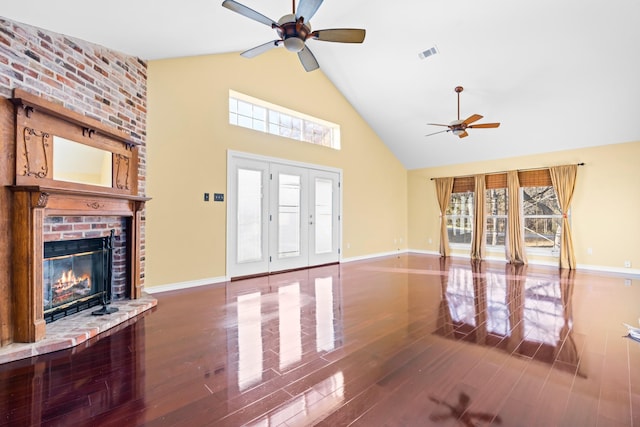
x,y
627,282
627,264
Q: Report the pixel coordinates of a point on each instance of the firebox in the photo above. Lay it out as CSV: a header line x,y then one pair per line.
x,y
77,275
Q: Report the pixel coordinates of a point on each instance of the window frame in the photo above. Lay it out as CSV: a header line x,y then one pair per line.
x,y
533,250
528,178
467,217
302,127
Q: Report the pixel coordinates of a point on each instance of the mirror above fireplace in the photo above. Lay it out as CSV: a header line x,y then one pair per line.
x,y
80,163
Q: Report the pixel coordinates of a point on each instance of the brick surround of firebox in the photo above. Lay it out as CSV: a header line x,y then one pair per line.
x,y
56,228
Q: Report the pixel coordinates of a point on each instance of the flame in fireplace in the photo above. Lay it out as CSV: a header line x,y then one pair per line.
x,y
69,286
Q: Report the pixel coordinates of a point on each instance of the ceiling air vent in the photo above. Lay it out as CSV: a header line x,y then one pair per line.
x,y
428,52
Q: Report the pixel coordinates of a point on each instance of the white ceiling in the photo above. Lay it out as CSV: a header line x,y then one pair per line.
x,y
556,74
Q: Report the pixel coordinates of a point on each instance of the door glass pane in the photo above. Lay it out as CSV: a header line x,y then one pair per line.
x,y
288,216
249,238
324,216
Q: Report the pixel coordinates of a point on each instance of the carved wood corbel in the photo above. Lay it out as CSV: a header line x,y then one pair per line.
x,y
41,201
88,132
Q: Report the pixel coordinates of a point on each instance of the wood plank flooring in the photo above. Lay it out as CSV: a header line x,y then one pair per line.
x,y
412,340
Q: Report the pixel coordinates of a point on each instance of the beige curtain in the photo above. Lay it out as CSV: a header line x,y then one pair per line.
x,y
563,179
515,248
478,243
444,186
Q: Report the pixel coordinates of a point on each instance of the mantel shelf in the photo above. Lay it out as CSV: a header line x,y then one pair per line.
x,y
26,99
78,192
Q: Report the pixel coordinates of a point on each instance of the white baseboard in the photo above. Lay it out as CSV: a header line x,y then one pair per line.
x,y
183,285
371,256
423,252
604,269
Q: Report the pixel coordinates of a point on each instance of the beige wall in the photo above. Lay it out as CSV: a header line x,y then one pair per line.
x,y
604,211
385,208
188,139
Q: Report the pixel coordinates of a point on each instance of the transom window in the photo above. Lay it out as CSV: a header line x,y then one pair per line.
x,y
253,113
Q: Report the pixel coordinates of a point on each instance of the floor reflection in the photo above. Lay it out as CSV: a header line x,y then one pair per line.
x,y
460,412
281,322
86,382
249,340
512,309
312,405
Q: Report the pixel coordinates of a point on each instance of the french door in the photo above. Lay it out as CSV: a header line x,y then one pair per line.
x,y
281,216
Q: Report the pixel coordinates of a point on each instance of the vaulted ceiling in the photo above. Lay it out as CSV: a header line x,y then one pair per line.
x,y
556,74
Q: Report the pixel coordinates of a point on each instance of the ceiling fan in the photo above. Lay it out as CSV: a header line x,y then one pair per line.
x,y
459,127
294,30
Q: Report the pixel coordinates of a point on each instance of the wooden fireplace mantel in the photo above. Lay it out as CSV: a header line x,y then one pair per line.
x,y
37,194
31,205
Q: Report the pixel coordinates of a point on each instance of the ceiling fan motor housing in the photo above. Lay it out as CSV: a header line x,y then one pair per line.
x,y
293,32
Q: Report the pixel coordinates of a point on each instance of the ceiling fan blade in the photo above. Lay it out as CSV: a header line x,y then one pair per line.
x,y
485,125
308,60
340,35
437,124
248,12
473,118
435,133
463,134
253,52
307,8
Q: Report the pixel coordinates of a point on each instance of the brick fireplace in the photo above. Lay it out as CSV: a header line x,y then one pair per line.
x,y
100,84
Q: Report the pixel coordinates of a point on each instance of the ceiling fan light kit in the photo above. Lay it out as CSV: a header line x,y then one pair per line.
x,y
459,127
294,30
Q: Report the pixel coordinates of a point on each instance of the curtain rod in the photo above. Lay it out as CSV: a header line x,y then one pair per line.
x,y
519,170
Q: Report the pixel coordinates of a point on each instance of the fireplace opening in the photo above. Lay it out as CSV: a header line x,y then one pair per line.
x,y
77,275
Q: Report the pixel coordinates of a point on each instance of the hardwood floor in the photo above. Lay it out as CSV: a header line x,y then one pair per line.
x,y
413,340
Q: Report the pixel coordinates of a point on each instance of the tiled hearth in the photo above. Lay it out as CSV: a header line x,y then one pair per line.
x,y
78,328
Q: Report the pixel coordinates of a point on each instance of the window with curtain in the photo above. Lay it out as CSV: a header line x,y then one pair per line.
x,y
542,217
496,208
460,218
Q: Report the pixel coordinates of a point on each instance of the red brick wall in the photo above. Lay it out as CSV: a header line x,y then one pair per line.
x,y
84,77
